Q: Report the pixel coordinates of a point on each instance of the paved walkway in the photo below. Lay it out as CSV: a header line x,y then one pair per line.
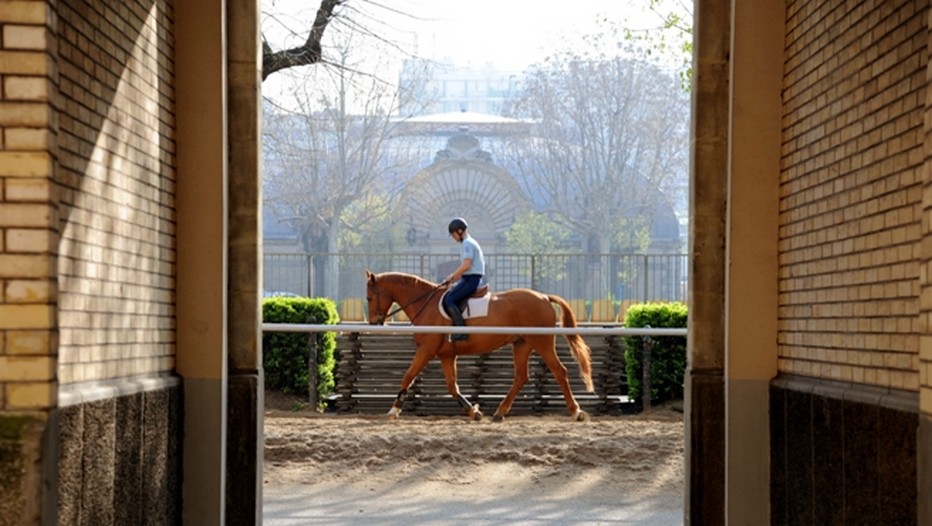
x,y
301,505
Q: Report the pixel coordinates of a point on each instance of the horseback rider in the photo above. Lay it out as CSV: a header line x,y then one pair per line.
x,y
467,277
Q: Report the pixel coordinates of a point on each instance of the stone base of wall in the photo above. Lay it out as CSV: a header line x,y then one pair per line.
x,y
842,454
925,467
120,453
23,437
705,451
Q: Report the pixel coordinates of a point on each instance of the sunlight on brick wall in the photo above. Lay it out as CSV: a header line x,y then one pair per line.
x,y
851,194
116,266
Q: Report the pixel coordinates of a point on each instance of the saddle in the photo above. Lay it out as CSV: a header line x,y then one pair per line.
x,y
476,305
481,291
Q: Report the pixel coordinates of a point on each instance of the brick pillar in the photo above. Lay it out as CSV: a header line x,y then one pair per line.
x,y
924,442
28,241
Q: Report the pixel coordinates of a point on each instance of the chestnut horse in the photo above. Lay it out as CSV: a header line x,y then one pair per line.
x,y
420,300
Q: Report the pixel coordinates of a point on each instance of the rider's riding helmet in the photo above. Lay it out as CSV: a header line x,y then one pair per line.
x,y
457,224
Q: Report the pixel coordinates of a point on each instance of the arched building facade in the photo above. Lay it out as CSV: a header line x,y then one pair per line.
x,y
463,181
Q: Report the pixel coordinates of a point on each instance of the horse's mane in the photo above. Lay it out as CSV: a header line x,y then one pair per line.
x,y
405,278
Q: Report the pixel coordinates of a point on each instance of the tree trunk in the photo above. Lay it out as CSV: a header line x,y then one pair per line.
x,y
332,283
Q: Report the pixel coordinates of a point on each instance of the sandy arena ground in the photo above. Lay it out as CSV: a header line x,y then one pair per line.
x,y
604,462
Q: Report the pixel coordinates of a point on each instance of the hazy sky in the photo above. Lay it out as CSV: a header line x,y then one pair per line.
x,y
509,33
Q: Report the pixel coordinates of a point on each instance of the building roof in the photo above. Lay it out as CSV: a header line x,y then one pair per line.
x,y
464,117
458,121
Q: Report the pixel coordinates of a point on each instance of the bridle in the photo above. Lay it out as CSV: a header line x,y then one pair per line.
x,y
428,294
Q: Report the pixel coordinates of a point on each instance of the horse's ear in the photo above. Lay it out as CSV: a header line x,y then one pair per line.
x,y
370,276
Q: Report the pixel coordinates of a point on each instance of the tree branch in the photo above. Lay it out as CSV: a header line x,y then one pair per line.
x,y
305,55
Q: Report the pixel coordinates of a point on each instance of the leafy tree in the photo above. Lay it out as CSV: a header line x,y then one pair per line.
x,y
378,237
536,234
669,37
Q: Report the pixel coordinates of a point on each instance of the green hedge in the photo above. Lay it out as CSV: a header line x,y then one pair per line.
x,y
285,355
668,353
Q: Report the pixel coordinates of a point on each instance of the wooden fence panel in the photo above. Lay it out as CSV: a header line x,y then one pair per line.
x,y
371,366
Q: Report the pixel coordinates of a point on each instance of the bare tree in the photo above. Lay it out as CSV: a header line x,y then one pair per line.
x,y
370,19
611,140
334,154
306,54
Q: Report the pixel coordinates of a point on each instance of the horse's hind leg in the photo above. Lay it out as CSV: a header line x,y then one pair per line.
x,y
449,374
548,354
521,351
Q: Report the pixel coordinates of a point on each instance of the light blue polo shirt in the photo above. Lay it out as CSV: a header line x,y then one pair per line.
x,y
470,249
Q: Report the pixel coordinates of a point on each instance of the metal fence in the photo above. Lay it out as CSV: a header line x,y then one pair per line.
x,y
619,278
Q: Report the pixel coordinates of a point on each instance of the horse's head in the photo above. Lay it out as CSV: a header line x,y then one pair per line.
x,y
379,300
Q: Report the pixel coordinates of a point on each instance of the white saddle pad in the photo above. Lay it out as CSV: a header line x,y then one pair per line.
x,y
475,307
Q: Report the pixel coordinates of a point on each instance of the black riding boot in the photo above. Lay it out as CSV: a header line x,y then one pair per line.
x,y
457,318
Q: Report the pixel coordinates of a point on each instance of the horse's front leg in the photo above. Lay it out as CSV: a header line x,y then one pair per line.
x,y
421,358
449,374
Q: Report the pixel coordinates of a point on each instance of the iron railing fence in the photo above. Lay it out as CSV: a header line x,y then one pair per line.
x,y
619,278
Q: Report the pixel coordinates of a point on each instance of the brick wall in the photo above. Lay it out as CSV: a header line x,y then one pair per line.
x,y
116,262
851,191
28,234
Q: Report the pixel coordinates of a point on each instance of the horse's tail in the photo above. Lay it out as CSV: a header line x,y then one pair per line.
x,y
577,345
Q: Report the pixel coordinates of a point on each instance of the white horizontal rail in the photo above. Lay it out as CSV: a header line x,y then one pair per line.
x,y
447,329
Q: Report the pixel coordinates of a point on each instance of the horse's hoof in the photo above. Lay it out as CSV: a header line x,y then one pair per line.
x,y
393,413
475,414
498,418
581,416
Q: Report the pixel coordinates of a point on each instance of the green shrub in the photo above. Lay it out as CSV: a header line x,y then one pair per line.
x,y
668,353
285,355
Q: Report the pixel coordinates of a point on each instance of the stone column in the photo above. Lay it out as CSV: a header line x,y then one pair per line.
x,y
705,396
244,446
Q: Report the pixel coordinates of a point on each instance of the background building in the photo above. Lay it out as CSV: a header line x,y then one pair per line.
x,y
465,89
468,176
467,166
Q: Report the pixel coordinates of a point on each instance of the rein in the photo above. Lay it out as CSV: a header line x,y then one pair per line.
x,y
400,308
